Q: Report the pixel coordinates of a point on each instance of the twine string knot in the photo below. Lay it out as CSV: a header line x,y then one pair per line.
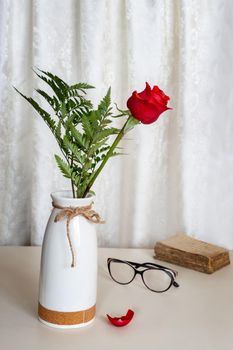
x,y
71,212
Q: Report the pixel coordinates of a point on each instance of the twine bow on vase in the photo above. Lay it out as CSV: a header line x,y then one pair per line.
x,y
71,212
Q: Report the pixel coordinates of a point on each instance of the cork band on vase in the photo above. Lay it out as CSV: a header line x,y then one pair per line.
x,y
66,318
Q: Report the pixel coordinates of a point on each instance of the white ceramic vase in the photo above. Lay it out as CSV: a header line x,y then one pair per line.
x,y
67,295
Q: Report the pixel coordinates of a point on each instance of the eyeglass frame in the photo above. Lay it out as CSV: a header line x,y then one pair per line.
x,y
148,266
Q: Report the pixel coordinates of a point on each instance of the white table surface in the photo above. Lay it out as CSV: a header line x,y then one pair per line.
x,y
197,315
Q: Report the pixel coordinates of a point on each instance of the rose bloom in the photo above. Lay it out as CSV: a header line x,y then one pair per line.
x,y
146,106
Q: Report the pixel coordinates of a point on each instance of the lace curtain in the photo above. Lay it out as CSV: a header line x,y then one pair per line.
x,y
177,175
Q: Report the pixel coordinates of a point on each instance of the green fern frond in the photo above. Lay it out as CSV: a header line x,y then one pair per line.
x,y
105,133
60,83
87,126
104,105
64,167
45,115
52,101
98,147
76,152
77,136
81,86
57,131
53,86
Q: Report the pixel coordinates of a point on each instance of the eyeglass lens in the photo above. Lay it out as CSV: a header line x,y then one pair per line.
x,y
121,272
157,280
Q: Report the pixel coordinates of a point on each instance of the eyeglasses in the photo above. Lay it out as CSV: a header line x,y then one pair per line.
x,y
156,278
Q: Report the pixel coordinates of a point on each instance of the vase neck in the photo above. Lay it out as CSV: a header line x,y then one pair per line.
x,y
65,199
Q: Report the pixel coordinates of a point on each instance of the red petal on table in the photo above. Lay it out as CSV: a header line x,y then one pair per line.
x,y
123,320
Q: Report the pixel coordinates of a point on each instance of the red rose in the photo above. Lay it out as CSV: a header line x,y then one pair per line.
x,y
147,105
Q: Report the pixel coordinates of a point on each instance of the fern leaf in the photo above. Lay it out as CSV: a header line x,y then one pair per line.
x,y
45,115
60,83
53,102
106,122
86,141
77,136
76,152
97,147
105,133
104,105
87,127
57,132
87,165
93,117
53,86
64,167
81,86
63,110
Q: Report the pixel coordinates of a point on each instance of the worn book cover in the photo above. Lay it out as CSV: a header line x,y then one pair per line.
x,y
192,253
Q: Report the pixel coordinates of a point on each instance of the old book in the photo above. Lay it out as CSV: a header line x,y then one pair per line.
x,y
191,253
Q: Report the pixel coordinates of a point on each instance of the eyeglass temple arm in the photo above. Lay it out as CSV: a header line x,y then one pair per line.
x,y
175,284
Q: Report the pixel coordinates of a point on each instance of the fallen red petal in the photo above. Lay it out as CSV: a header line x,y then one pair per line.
x,y
123,320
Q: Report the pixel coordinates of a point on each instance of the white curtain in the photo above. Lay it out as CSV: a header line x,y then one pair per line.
x,y
178,174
